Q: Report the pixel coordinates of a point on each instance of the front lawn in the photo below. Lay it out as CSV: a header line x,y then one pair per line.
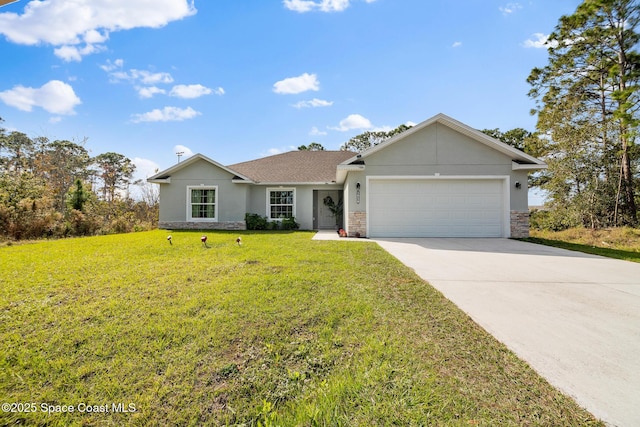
x,y
282,330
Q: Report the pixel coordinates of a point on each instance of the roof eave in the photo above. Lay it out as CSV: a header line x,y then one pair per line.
x,y
528,166
294,183
344,169
475,134
193,159
159,180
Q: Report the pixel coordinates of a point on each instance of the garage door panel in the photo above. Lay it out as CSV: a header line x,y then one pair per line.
x,y
436,208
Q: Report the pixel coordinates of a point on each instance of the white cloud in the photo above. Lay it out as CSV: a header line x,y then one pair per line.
x,y
145,167
300,5
303,6
167,114
539,41
77,28
510,8
316,132
150,78
293,85
185,152
190,91
73,53
150,91
145,82
456,44
353,121
315,102
56,97
111,66
136,76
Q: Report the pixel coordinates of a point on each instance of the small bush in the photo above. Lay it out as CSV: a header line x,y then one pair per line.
x,y
290,224
553,220
80,224
255,221
273,225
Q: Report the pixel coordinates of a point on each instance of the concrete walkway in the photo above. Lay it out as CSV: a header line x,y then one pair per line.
x,y
333,235
575,318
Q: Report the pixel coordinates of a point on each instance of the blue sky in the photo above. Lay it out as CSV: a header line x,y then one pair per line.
x,y
240,79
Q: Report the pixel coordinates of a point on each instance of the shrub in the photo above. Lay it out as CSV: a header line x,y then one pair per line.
x,y
255,221
554,219
122,224
290,224
80,224
273,225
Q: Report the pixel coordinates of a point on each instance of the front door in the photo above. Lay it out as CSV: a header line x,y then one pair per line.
x,y
326,219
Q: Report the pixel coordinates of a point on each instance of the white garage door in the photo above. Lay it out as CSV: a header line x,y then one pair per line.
x,y
436,208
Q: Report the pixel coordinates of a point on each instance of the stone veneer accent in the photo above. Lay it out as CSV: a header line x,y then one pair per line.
x,y
357,224
181,225
519,224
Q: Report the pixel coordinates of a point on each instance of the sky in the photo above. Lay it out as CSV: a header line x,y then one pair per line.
x,y
236,80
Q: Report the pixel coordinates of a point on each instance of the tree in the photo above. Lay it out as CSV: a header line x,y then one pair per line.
x,y
115,171
78,196
61,163
314,146
588,98
519,138
16,152
368,139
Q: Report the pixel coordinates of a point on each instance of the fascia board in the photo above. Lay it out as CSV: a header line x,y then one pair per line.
x,y
527,166
159,180
191,160
343,170
293,184
512,152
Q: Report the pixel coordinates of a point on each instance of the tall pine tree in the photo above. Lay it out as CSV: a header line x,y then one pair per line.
x,y
587,103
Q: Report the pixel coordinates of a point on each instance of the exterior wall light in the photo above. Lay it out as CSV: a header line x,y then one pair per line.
x,y
357,192
518,185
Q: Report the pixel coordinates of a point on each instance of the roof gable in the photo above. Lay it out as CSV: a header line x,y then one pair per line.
x,y
165,175
516,155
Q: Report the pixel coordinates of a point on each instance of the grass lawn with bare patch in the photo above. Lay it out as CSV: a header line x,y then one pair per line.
x,y
282,330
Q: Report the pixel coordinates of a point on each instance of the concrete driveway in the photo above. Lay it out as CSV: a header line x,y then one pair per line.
x,y
575,318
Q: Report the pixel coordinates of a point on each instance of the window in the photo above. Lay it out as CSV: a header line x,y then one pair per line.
x,y
280,203
201,205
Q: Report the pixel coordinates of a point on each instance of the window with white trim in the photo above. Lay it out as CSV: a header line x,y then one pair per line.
x,y
202,203
281,203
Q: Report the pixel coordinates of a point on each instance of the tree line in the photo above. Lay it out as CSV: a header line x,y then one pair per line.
x,y
57,189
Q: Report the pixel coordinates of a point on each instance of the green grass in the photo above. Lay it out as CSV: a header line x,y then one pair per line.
x,y
282,331
620,243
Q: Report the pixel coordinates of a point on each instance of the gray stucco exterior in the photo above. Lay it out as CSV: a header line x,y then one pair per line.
x,y
231,203
438,149
440,152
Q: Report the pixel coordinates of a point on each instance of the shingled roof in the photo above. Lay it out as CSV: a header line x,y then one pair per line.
x,y
294,167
